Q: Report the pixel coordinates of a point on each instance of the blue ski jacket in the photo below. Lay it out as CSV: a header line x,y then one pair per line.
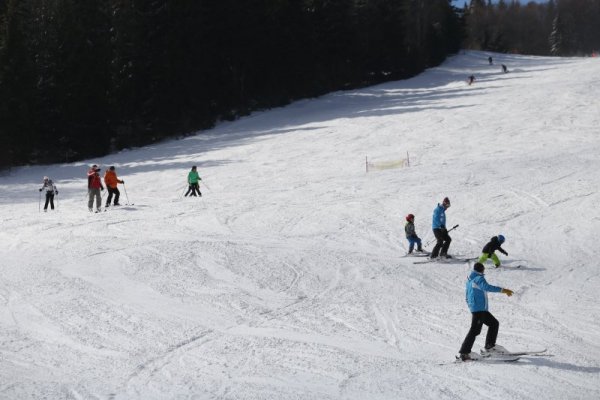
x,y
476,292
439,217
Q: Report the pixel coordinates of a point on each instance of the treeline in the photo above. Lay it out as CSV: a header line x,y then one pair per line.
x,y
80,79
561,28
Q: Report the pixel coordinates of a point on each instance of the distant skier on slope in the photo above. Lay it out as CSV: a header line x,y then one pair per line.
x,y
411,235
471,79
193,182
94,187
504,68
476,296
51,190
489,250
490,60
439,230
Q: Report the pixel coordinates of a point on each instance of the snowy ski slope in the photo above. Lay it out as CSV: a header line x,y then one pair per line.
x,y
287,280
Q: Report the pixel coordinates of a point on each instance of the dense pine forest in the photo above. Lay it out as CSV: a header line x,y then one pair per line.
x,y
80,79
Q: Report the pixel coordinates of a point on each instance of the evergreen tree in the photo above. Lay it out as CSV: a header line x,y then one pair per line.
x,y
80,79
17,82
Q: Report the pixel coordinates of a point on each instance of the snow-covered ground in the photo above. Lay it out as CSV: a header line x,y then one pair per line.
x,y
287,280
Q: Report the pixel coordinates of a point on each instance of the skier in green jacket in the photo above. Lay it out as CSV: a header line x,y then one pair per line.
x,y
194,183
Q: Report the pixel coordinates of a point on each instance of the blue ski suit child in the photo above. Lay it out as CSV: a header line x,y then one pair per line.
x,y
411,235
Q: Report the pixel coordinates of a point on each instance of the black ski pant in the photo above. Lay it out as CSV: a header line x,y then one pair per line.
x,y
481,318
443,242
111,192
194,188
49,199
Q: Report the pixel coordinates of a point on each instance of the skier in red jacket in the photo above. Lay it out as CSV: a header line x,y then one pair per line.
x,y
94,187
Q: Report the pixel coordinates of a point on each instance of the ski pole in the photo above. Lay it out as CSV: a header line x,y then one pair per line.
x,y
125,189
450,230
184,189
40,203
206,185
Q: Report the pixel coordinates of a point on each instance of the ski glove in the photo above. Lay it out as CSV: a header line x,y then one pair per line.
x,y
505,253
507,292
40,190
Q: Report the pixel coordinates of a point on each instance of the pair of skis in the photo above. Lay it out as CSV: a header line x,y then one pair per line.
x,y
417,254
511,356
458,260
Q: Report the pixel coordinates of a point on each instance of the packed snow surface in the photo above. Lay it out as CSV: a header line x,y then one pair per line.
x,y
288,278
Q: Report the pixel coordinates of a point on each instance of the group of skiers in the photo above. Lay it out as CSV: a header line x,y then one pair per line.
x,y
476,286
471,78
111,181
95,186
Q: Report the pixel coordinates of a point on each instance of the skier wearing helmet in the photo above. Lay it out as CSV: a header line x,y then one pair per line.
x,y
439,230
411,234
51,190
489,250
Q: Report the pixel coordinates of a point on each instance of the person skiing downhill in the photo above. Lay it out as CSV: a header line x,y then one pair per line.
x,y
411,235
476,297
94,187
489,250
193,182
111,181
50,192
439,230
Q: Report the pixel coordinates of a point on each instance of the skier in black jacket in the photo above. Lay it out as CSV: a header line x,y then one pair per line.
x,y
489,250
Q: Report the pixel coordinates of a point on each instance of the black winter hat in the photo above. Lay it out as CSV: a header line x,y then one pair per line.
x,y
478,267
112,168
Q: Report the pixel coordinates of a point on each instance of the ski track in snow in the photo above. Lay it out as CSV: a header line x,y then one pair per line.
x,y
287,280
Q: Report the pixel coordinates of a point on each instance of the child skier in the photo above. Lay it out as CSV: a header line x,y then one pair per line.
x,y
411,234
477,301
488,250
50,192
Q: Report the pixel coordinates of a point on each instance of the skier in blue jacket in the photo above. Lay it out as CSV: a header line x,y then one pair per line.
x,y
476,296
439,230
